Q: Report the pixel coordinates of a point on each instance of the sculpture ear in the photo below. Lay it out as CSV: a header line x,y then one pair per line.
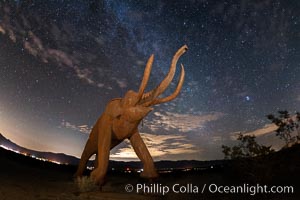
x,y
114,108
118,111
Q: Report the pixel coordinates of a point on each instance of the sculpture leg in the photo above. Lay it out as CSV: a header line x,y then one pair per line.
x,y
142,152
104,144
96,161
88,151
113,144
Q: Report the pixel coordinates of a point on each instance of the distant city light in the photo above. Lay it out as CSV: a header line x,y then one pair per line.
x,y
32,156
126,170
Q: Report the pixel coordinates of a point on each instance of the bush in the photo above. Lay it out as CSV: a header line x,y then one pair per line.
x,y
288,127
247,147
85,184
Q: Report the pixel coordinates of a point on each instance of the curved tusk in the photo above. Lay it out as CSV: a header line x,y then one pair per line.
x,y
175,93
146,76
167,80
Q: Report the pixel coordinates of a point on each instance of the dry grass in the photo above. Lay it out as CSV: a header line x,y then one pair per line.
x,y
85,184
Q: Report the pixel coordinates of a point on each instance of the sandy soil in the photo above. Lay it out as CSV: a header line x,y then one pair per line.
x,y
27,180
28,183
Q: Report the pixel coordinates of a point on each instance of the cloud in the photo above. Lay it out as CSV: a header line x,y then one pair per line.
x,y
181,122
122,83
159,146
216,139
268,128
61,57
265,130
35,46
298,98
84,74
2,30
81,128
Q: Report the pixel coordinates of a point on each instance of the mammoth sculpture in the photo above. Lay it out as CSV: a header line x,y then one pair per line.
x,y
120,121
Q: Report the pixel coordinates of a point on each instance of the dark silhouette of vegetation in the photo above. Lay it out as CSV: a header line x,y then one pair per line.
x,y
254,163
247,147
288,126
288,130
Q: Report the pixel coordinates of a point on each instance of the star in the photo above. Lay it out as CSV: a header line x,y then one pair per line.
x,y
66,62
247,98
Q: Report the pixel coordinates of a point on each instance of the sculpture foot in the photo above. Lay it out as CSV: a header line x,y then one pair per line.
x,y
149,174
98,180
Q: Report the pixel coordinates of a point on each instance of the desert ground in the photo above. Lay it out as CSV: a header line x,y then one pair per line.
x,y
25,179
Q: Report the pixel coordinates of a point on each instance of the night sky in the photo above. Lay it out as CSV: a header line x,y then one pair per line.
x,y
62,61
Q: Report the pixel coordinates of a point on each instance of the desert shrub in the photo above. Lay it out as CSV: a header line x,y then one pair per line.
x,y
247,147
248,160
85,184
288,127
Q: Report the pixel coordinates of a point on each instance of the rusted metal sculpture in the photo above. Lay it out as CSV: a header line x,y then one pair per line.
x,y
120,121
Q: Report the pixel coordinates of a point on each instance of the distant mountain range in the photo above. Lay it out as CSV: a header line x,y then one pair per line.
x,y
72,160
60,157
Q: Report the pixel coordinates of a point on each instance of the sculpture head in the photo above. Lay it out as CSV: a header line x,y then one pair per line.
x,y
138,104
